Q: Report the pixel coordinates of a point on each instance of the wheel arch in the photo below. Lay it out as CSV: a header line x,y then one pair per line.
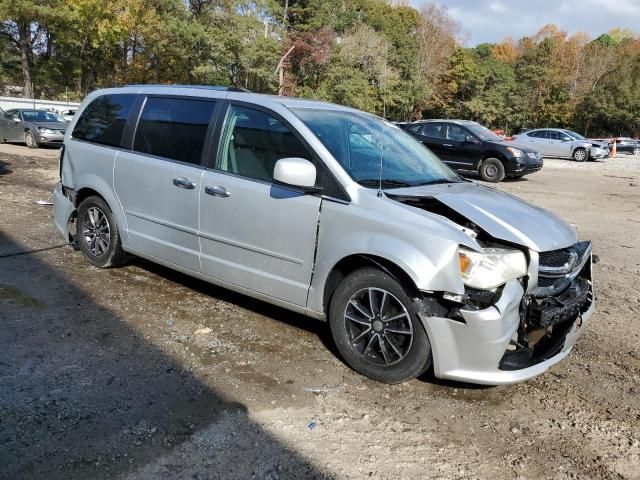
x,y
353,262
100,189
492,154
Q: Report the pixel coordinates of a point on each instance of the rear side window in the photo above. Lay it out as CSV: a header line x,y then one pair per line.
x,y
174,128
433,130
104,119
540,134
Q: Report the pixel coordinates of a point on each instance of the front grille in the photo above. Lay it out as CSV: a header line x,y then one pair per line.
x,y
556,268
564,257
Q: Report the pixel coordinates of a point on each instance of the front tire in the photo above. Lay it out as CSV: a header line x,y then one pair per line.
x,y
30,139
492,170
580,155
98,234
376,328
636,152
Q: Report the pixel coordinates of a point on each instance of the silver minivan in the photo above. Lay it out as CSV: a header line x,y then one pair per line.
x,y
333,213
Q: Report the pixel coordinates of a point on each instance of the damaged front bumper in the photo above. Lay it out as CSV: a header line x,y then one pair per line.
x,y
518,337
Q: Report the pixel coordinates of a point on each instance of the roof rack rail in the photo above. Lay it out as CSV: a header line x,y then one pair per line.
x,y
204,87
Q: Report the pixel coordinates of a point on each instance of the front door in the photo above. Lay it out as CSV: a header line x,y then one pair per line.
x,y
560,144
462,150
158,183
255,234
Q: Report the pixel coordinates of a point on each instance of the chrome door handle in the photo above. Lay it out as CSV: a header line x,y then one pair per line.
x,y
183,182
217,191
447,145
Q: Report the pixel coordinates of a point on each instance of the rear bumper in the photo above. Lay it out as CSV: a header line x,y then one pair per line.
x,y
63,209
472,350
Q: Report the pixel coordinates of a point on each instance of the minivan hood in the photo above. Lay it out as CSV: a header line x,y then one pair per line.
x,y
501,215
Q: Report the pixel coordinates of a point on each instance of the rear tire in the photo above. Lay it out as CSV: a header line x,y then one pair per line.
x,y
98,234
376,328
580,154
492,170
30,139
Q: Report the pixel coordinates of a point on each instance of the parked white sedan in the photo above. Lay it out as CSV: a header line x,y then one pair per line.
x,y
559,143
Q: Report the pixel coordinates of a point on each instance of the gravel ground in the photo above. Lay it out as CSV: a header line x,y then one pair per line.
x,y
140,372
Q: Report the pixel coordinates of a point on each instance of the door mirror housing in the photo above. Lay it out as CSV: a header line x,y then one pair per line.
x,y
470,139
296,172
16,119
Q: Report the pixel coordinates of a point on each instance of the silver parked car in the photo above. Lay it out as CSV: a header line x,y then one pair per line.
x,y
68,114
33,127
333,213
561,143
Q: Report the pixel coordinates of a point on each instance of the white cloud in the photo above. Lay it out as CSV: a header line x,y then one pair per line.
x,y
492,20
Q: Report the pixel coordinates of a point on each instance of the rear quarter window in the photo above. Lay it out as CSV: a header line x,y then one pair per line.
x,y
104,119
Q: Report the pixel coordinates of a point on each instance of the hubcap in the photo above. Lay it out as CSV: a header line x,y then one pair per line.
x,y
96,231
378,326
636,151
580,155
492,171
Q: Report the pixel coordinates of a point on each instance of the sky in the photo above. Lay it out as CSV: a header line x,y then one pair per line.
x,y
492,20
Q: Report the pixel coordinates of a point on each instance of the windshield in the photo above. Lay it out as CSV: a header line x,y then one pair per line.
x,y
358,141
41,116
483,132
575,135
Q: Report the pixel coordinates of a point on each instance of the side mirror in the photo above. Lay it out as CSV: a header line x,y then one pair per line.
x,y
470,139
17,120
296,172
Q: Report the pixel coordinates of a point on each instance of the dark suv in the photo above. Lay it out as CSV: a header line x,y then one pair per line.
x,y
467,146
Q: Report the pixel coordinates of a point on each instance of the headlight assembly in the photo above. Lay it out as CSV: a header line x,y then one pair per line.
x,y
516,152
45,130
490,268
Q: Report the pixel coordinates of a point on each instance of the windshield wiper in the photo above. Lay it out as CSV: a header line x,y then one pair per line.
x,y
436,182
374,182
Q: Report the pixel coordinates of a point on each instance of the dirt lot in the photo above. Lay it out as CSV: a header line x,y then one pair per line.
x,y
140,372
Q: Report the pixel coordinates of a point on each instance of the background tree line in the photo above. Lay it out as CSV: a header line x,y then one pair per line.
x,y
384,57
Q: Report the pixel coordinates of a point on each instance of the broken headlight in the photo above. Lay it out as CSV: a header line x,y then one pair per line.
x,y
491,267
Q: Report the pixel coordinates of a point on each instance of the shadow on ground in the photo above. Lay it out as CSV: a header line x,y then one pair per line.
x,y
3,168
82,395
316,327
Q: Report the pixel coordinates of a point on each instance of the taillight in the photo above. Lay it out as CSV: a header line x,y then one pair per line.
x,y
60,160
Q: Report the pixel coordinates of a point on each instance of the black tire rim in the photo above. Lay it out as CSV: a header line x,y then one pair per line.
x,y
96,231
378,326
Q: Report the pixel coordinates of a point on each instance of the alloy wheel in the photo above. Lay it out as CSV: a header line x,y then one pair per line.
x,y
378,326
96,231
491,170
580,155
